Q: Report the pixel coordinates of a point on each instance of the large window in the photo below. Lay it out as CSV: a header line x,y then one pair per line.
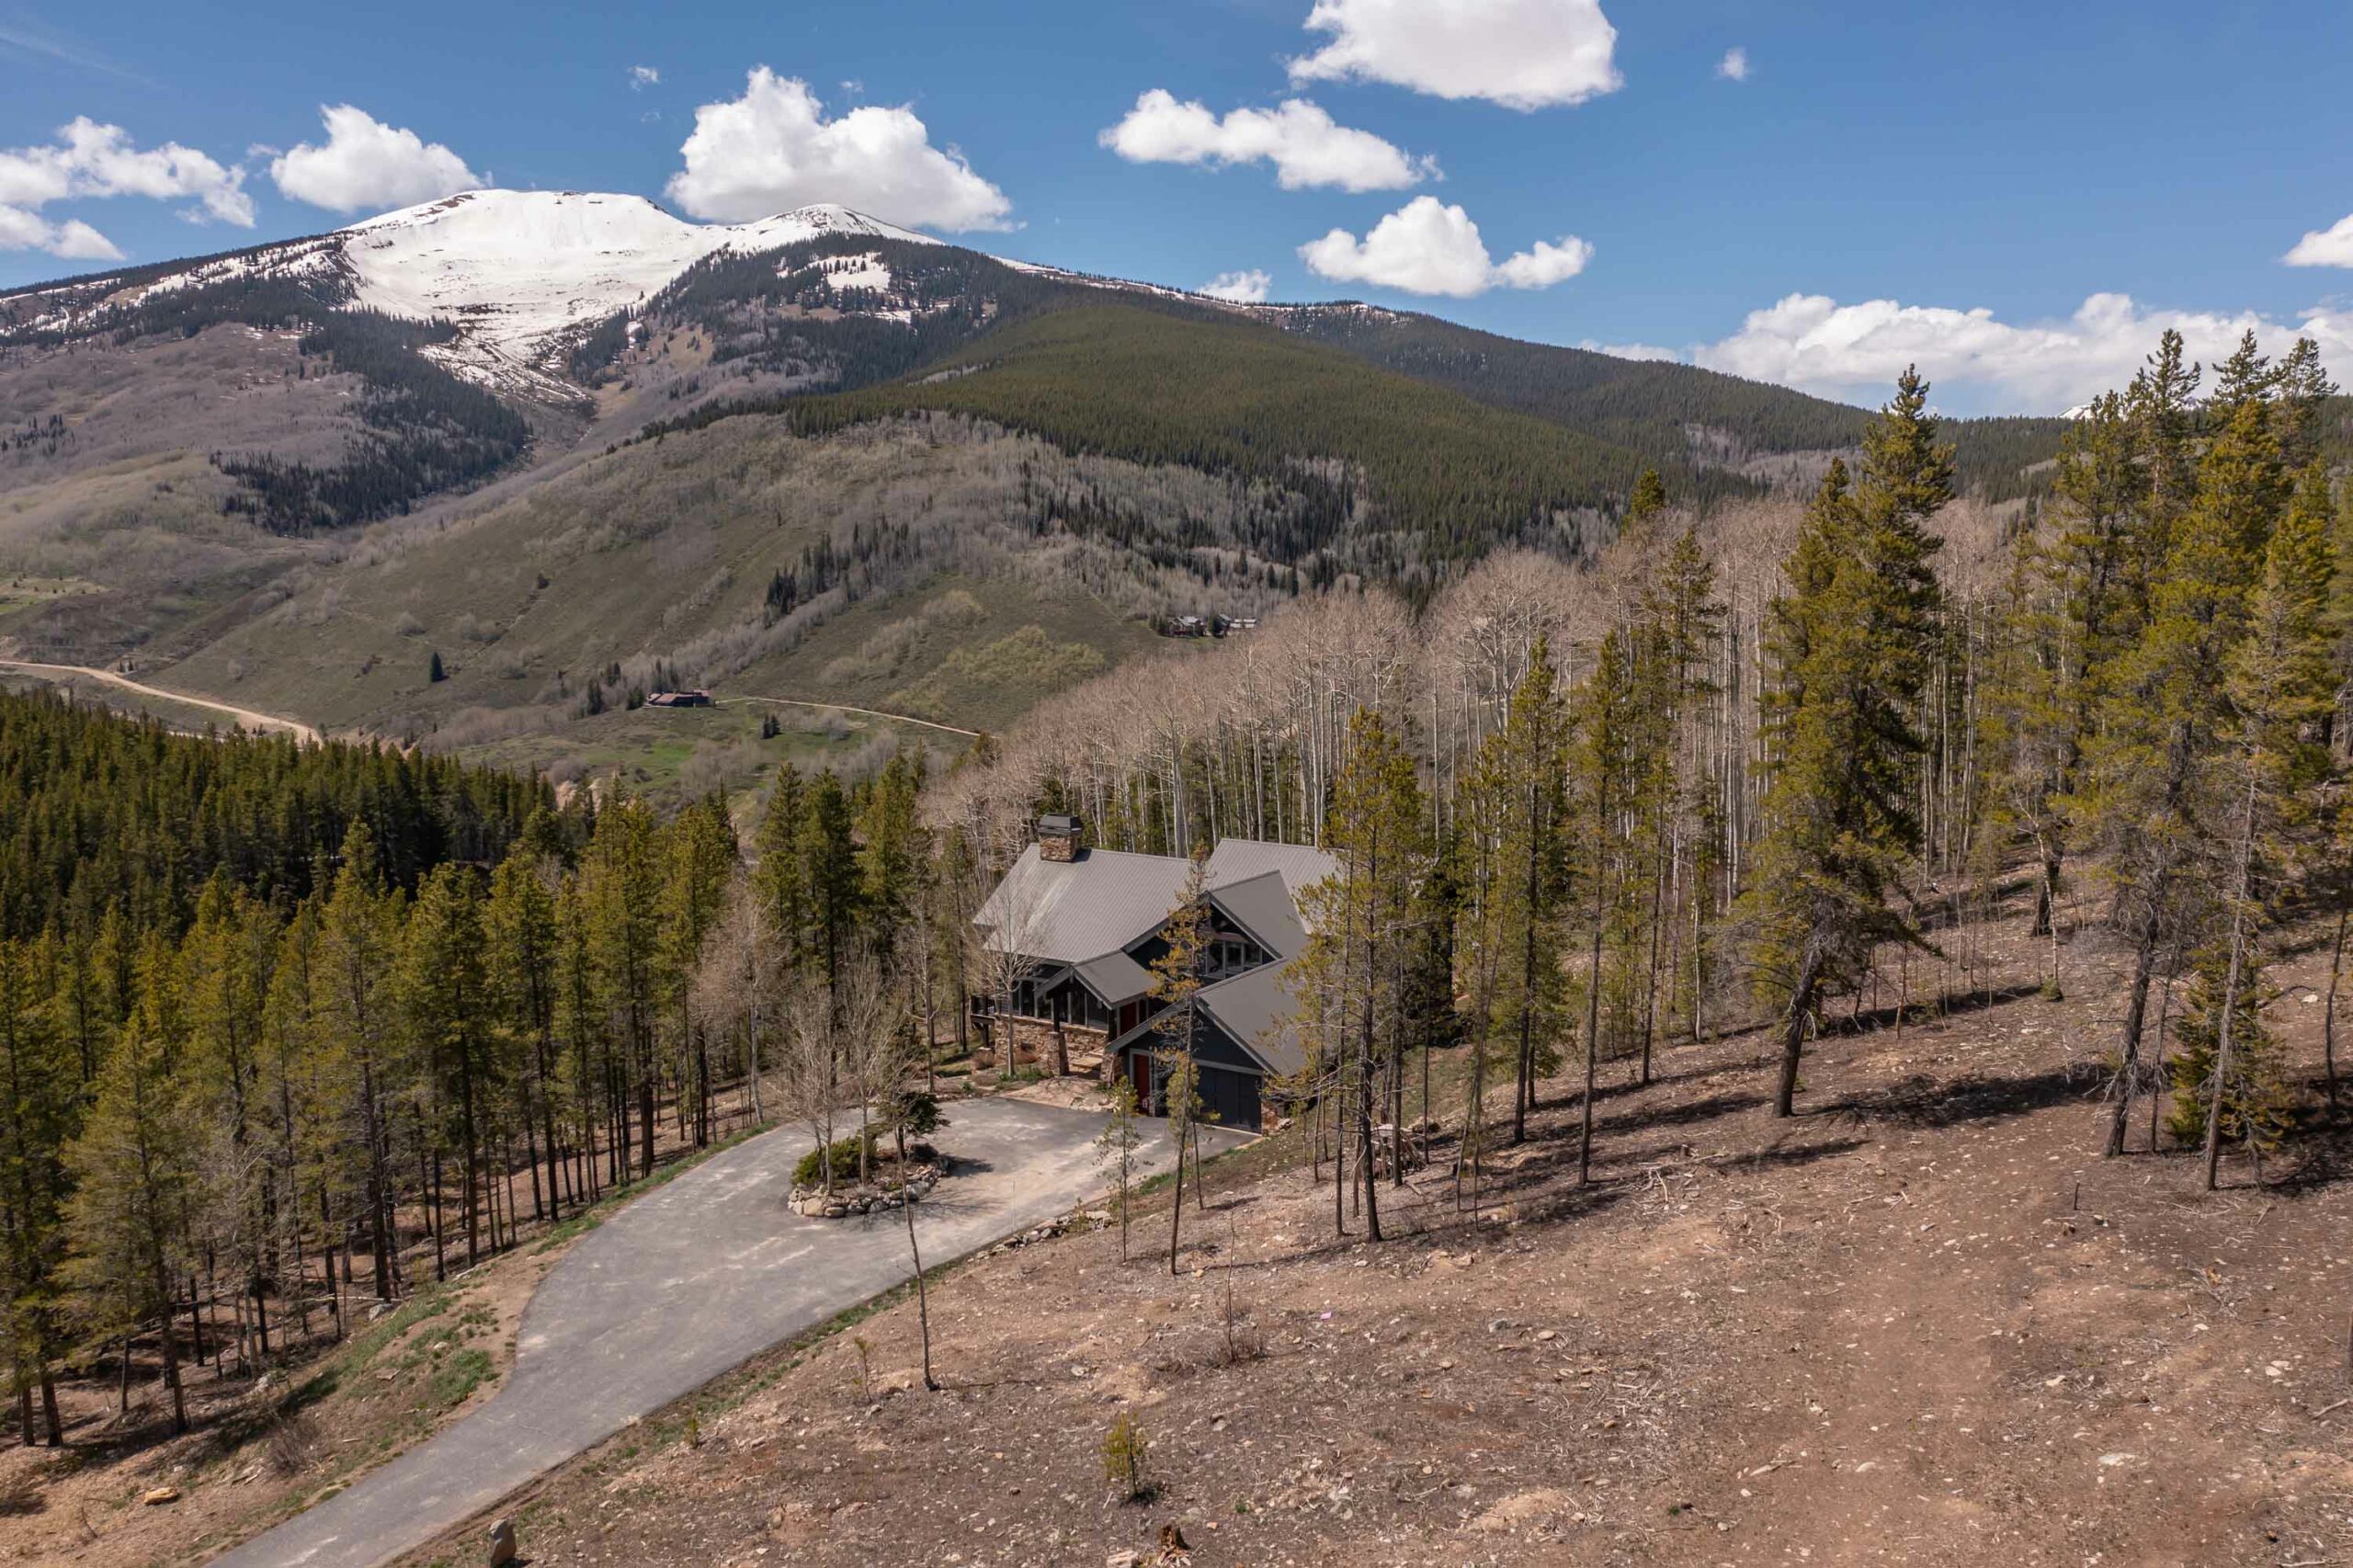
x,y
1229,955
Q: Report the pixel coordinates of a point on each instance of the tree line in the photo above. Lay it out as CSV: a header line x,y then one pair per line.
x,y
1581,814
254,1087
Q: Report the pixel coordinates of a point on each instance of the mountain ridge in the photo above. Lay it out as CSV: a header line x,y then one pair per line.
x,y
575,448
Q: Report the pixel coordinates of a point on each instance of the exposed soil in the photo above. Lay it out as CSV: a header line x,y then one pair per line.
x,y
1923,1323
261,1448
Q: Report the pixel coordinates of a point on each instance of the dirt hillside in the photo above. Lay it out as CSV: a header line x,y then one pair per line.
x,y
1921,1324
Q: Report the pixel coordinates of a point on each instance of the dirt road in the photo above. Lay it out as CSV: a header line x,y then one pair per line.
x,y
246,716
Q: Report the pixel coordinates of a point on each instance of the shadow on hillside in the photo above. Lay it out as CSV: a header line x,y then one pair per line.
x,y
1788,1155
1951,1004
1921,1101
1678,1114
1620,1089
2322,1141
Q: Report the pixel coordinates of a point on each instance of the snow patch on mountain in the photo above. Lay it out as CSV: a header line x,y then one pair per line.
x,y
519,271
869,272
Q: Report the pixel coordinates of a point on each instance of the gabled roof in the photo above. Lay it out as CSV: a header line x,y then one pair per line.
x,y
1263,907
1114,978
1258,1009
1069,911
1238,860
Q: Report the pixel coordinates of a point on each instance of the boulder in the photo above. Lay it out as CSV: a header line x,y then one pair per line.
x,y
155,1497
502,1543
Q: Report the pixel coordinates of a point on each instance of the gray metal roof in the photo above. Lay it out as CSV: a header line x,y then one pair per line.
x,y
1085,913
1238,860
1258,1010
1263,906
1069,911
1115,977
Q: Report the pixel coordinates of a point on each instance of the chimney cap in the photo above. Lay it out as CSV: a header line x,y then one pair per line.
x,y
1059,824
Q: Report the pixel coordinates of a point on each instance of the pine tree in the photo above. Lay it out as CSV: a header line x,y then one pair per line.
x,y
2071,611
1514,809
622,898
1684,626
1178,976
702,856
2153,797
1644,506
40,1109
358,938
1851,644
226,960
2280,687
1379,832
443,992
1604,762
520,957
826,850
135,1173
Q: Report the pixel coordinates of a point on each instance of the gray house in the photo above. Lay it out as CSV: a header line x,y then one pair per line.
x,y
1091,922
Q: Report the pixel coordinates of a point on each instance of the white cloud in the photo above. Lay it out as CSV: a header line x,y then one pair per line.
x,y
1857,351
1428,247
366,162
1306,146
1245,287
2325,247
1544,264
73,239
1734,66
93,160
774,148
643,76
1524,54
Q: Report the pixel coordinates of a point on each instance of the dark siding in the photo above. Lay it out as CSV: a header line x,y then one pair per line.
x,y
1230,1097
1213,1047
1225,1090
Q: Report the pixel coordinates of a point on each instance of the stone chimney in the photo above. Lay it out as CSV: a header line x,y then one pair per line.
x,y
1059,837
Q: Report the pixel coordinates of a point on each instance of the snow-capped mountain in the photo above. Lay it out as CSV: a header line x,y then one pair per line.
x,y
518,271
521,267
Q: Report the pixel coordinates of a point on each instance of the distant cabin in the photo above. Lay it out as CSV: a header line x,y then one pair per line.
x,y
1091,922
679,699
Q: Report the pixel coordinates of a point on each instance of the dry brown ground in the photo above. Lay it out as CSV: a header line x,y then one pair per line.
x,y
260,1448
1923,1323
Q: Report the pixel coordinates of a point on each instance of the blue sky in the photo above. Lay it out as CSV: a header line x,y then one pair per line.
x,y
1879,174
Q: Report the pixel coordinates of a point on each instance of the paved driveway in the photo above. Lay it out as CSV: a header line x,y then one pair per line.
x,y
679,1286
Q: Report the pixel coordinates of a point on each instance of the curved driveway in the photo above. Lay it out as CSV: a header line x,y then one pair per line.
x,y
681,1285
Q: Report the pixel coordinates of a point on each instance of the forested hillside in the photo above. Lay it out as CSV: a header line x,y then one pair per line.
x,y
424,430
1672,414
106,818
270,1009
232,473
1755,776
1743,772
1402,480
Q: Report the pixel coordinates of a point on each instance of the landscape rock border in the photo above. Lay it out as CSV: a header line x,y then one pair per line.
x,y
815,1203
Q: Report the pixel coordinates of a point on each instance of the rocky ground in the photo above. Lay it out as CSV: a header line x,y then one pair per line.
x,y
1923,1323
